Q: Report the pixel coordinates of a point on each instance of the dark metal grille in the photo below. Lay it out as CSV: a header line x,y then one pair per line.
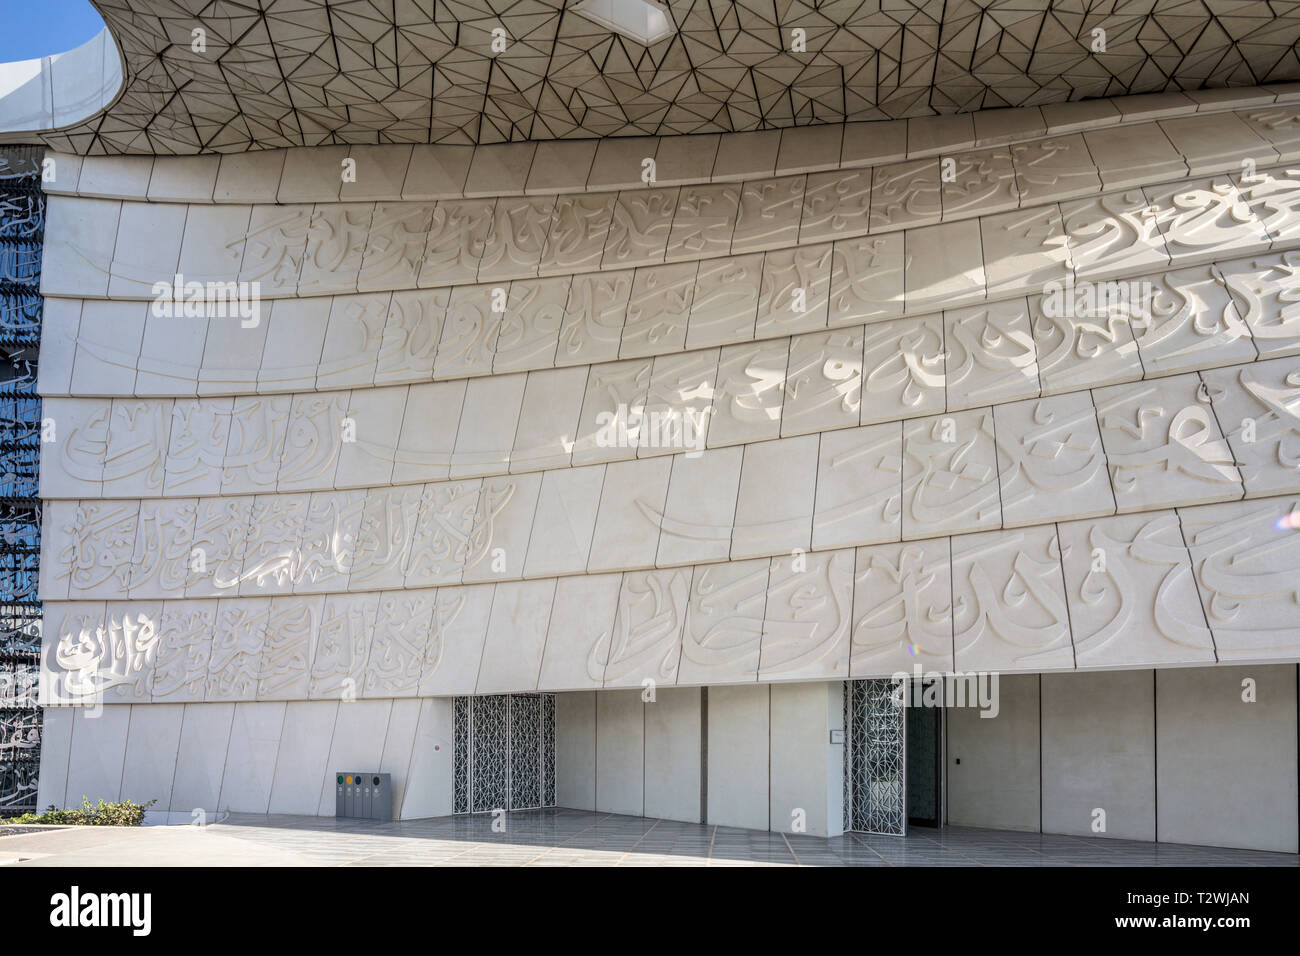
x,y
875,783
525,751
548,749
490,756
461,804
505,752
22,231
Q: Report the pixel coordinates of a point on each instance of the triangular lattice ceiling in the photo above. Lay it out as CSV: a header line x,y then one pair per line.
x,y
304,72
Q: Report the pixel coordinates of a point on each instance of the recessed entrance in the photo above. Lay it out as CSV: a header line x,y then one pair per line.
x,y
505,752
925,755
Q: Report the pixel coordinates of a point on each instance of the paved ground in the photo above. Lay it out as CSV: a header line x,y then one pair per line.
x,y
571,837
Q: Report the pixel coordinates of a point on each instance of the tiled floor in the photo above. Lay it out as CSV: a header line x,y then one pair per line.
x,y
571,837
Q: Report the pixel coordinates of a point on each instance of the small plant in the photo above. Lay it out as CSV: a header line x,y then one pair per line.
x,y
125,813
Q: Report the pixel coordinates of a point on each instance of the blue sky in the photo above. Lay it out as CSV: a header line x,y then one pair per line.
x,y
40,27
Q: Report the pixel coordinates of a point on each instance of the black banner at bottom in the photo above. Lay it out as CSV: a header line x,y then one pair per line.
x,y
344,906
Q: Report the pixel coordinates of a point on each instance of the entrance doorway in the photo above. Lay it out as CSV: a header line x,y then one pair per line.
x,y
505,752
925,754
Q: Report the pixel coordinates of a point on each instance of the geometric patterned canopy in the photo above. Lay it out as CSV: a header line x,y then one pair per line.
x,y
304,72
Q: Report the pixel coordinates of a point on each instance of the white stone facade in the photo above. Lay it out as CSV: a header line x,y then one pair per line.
x,y
758,433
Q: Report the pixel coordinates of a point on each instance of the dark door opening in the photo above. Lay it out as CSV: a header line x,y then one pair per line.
x,y
924,758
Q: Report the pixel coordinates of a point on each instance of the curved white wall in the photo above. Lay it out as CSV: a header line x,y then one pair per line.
x,y
51,92
919,462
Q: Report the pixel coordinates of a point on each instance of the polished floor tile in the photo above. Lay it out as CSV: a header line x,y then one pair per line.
x,y
558,837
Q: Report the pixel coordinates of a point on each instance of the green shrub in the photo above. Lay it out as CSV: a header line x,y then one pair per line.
x,y
125,813
22,818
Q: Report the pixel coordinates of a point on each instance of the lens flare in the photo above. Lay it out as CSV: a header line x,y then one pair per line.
x,y
1289,522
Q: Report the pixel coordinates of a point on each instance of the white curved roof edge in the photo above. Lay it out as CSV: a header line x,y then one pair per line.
x,y
51,92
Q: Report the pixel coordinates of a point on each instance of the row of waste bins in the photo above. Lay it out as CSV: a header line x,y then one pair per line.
x,y
364,796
